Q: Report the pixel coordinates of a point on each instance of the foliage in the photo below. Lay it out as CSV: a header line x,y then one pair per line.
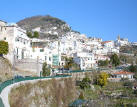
x,y
29,34
81,96
45,69
114,59
85,83
102,79
36,34
4,48
133,68
128,84
69,63
103,63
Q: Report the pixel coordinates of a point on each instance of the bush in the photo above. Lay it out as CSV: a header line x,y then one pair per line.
x,y
133,68
45,69
103,63
81,96
29,34
102,79
85,83
4,48
36,34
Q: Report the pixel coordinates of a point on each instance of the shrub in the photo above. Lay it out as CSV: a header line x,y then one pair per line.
x,y
85,83
45,69
29,34
36,34
81,96
102,79
4,48
103,63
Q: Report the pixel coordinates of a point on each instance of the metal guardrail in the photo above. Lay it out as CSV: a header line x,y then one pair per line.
x,y
12,81
1,103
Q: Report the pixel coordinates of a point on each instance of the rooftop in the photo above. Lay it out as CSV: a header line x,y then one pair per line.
x,y
123,72
105,42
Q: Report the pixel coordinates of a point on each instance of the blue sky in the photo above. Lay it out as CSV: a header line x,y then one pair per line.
x,y
96,18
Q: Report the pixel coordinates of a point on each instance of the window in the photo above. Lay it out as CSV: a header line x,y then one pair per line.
x,y
33,49
41,50
45,58
49,58
4,38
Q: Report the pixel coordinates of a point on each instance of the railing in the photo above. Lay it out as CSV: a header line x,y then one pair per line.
x,y
12,81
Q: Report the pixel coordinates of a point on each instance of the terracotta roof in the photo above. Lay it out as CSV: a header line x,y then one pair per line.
x,y
123,72
105,42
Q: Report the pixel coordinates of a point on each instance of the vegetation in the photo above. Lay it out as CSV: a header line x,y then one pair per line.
x,y
129,49
103,63
81,96
34,35
46,23
45,93
4,48
114,59
102,79
5,69
29,34
85,83
124,59
132,68
45,69
70,64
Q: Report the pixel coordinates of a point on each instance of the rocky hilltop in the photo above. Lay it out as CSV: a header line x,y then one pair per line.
x,y
47,26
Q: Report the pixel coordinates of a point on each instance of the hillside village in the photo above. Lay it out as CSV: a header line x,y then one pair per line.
x,y
85,51
67,53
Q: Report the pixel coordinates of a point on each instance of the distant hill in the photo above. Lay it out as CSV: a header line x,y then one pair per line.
x,y
48,26
129,49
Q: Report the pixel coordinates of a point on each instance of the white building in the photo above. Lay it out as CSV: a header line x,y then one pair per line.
x,y
121,41
85,60
19,43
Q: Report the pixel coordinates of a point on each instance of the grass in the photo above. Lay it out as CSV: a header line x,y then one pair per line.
x,y
110,94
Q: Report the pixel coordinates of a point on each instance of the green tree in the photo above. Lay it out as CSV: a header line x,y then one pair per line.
x,y
103,63
45,69
102,79
36,34
29,34
69,63
4,48
85,83
114,59
133,68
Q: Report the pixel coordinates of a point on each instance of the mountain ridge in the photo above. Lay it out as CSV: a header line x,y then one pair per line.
x,y
48,26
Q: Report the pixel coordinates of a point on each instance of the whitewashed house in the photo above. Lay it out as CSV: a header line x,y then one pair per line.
x,y
123,74
84,60
19,43
121,42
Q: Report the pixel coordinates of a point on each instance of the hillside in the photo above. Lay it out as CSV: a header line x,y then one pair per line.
x,y
5,69
47,26
46,93
129,49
